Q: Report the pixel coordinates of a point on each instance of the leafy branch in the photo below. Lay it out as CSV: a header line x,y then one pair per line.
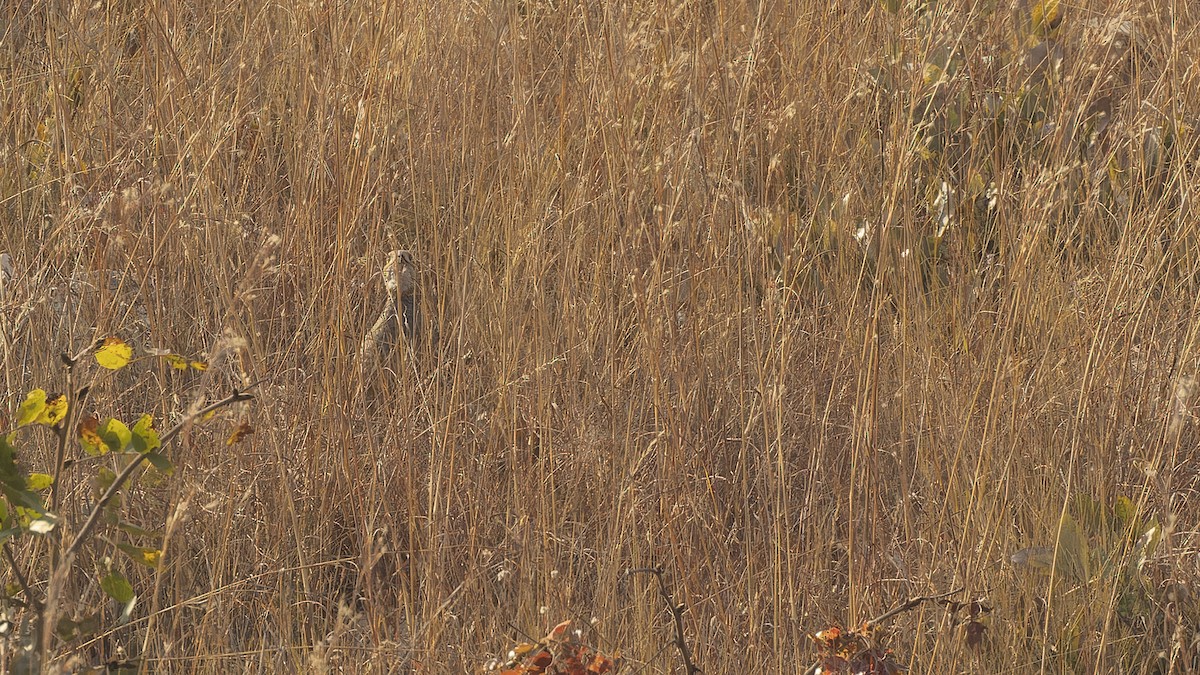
x,y
128,471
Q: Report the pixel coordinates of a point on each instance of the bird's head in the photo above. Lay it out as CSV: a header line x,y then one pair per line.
x,y
398,272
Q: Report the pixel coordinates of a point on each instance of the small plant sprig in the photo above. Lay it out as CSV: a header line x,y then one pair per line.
x,y
676,611
49,552
853,651
559,653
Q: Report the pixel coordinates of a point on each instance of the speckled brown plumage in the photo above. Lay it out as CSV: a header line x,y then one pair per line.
x,y
399,315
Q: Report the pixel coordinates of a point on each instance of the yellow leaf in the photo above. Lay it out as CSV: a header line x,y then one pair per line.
x,y
1046,18
113,353
183,363
54,412
32,407
26,515
932,74
39,481
145,436
1125,509
1073,548
516,654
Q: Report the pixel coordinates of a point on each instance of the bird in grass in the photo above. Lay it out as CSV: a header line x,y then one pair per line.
x,y
6,273
399,315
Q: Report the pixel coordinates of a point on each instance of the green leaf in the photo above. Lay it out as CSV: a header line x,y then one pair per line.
x,y
40,481
161,463
1073,549
68,629
25,516
149,557
1089,512
41,408
117,587
28,504
112,511
33,406
10,476
1045,18
104,479
12,481
115,434
89,625
145,437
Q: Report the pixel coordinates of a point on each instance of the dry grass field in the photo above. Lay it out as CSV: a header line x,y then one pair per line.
x,y
817,305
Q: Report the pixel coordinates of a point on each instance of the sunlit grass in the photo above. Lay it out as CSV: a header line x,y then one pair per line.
x,y
817,306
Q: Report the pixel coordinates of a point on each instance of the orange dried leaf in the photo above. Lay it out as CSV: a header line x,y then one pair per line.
x,y
541,660
601,664
558,633
239,433
829,635
89,436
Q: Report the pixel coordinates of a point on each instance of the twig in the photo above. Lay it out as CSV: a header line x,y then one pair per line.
x,y
676,616
16,569
906,606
